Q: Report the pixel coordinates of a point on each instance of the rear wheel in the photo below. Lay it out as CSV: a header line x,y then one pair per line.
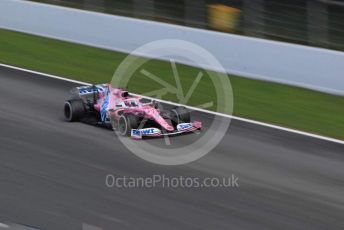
x,y
74,110
180,115
126,123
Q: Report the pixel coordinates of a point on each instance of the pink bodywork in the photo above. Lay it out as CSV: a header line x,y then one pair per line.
x,y
116,98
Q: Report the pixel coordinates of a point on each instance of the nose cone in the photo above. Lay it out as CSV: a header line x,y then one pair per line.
x,y
161,121
169,127
164,124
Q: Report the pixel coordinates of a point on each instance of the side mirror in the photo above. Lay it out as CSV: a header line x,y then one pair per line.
x,y
155,104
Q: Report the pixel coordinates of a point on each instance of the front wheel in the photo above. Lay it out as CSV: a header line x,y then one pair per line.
x,y
126,123
180,115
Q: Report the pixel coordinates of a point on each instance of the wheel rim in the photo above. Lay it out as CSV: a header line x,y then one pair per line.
x,y
122,126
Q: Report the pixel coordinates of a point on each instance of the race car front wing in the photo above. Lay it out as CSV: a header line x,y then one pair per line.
x,y
155,132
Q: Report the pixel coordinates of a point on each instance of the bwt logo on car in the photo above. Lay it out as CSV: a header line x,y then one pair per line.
x,y
184,126
145,132
150,131
136,132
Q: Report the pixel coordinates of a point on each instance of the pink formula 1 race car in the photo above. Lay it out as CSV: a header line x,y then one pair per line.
x,y
127,114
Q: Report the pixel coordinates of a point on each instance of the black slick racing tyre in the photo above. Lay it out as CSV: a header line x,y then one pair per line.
x,y
179,115
126,123
74,110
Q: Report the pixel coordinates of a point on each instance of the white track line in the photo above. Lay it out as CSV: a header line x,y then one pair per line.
x,y
192,108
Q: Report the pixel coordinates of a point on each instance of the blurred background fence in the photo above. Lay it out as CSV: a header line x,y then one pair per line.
x,y
309,22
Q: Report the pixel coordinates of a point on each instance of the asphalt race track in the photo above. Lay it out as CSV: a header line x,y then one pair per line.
x,y
52,173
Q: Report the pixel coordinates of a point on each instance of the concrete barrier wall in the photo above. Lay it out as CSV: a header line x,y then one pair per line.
x,y
313,68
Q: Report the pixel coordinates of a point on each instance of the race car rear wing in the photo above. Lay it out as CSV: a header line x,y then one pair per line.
x,y
89,93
